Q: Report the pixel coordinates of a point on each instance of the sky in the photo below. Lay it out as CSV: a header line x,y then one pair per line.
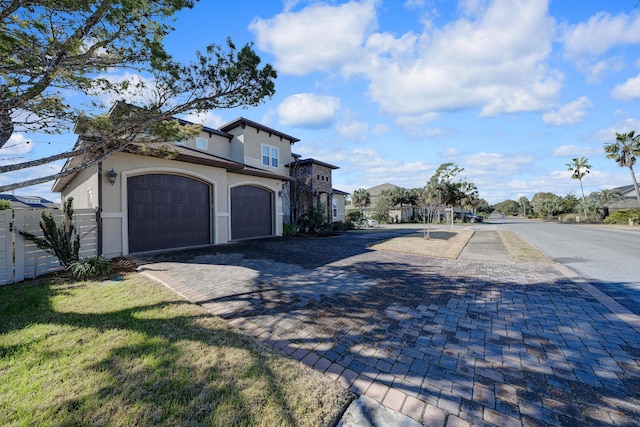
x,y
509,90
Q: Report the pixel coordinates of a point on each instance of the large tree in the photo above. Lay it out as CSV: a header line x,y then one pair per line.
x,y
52,50
624,151
579,167
361,198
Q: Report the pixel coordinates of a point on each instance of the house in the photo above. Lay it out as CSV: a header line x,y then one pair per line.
x,y
29,202
630,200
222,185
312,188
397,213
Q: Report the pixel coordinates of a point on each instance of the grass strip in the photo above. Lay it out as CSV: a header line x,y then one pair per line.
x,y
131,352
521,251
441,244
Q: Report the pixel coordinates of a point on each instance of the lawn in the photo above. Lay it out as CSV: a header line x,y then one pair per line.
x,y
131,352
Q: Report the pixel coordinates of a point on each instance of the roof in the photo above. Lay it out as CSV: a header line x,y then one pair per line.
x,y
312,162
190,155
29,202
336,191
241,121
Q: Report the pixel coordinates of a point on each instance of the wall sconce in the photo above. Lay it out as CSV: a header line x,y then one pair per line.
x,y
112,175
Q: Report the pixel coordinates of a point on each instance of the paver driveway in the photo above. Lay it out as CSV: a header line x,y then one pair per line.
x,y
445,342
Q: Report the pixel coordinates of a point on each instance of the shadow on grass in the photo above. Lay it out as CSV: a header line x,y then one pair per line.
x,y
68,360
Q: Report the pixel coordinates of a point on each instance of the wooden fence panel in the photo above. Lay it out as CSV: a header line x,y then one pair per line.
x,y
21,259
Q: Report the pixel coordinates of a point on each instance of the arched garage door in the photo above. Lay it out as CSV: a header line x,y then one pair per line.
x,y
167,211
251,212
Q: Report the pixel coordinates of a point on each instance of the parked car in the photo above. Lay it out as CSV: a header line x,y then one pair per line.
x,y
371,222
468,216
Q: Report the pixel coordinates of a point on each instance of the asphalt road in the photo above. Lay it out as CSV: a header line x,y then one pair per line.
x,y
609,258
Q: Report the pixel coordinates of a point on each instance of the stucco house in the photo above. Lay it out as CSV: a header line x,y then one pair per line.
x,y
28,202
222,185
629,202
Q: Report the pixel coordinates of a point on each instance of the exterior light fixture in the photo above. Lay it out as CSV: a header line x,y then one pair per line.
x,y
112,175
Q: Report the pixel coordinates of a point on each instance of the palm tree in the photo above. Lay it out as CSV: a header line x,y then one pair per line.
x,y
605,198
624,152
361,198
524,202
579,167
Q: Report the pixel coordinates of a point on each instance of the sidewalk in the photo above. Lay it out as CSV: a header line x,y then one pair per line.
x,y
446,343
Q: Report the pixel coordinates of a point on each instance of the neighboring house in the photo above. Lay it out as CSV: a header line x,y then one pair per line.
x,y
630,200
222,185
396,213
312,188
29,202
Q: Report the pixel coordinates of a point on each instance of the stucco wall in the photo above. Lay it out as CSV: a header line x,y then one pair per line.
x,y
114,197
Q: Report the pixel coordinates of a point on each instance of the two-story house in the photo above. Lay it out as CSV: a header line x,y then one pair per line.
x,y
222,185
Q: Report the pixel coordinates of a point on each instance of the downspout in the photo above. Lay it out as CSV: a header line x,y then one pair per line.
x,y
99,210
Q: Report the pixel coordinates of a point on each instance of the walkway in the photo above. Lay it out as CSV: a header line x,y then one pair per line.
x,y
447,343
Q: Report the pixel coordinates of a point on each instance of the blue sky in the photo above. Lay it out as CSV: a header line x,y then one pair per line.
x,y
510,90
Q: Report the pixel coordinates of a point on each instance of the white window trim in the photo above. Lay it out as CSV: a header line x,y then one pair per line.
x,y
270,156
206,145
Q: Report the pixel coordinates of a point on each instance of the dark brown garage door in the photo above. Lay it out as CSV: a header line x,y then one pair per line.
x,y
251,212
167,211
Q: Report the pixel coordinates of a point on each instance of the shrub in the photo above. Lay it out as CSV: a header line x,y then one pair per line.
x,y
623,216
58,241
5,204
90,268
290,230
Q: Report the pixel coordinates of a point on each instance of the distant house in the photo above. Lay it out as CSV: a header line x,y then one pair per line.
x,y
630,201
402,213
29,202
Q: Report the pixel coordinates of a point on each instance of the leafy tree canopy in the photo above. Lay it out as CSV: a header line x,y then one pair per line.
x,y
51,50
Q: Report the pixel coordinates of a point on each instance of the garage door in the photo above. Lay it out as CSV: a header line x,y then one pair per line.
x,y
167,211
251,212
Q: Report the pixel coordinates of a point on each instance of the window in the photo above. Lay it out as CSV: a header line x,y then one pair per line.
x,y
202,144
335,207
270,156
90,197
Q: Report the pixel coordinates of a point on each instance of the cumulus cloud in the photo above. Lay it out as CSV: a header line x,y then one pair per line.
x,y
629,90
353,130
316,38
568,114
308,110
206,118
600,33
576,151
17,144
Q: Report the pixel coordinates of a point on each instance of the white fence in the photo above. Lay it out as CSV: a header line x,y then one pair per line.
x,y
21,259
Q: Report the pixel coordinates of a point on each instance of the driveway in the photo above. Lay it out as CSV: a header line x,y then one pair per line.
x,y
446,342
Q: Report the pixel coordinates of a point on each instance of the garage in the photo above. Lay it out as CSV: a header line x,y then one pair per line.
x,y
251,212
167,211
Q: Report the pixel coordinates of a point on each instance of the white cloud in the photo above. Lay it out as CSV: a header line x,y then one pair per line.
x,y
318,37
629,90
380,129
496,61
601,33
568,114
576,151
308,110
206,118
353,130
17,144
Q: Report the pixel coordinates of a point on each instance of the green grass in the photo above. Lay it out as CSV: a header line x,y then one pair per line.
x,y
133,353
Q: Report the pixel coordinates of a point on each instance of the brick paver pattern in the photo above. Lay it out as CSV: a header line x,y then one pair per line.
x,y
445,342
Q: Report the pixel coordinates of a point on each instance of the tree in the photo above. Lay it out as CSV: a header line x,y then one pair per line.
x,y
624,152
579,167
449,191
400,196
524,205
360,198
602,200
508,207
51,49
546,204
429,203
383,204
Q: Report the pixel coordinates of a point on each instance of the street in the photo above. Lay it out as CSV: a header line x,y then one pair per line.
x,y
609,258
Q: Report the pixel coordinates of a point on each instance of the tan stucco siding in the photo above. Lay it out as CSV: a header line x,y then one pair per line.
x,y
340,208
253,142
84,187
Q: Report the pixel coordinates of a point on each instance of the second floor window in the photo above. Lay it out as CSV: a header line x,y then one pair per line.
x,y
269,156
202,144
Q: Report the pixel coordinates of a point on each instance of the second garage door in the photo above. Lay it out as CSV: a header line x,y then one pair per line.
x,y
167,211
251,212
